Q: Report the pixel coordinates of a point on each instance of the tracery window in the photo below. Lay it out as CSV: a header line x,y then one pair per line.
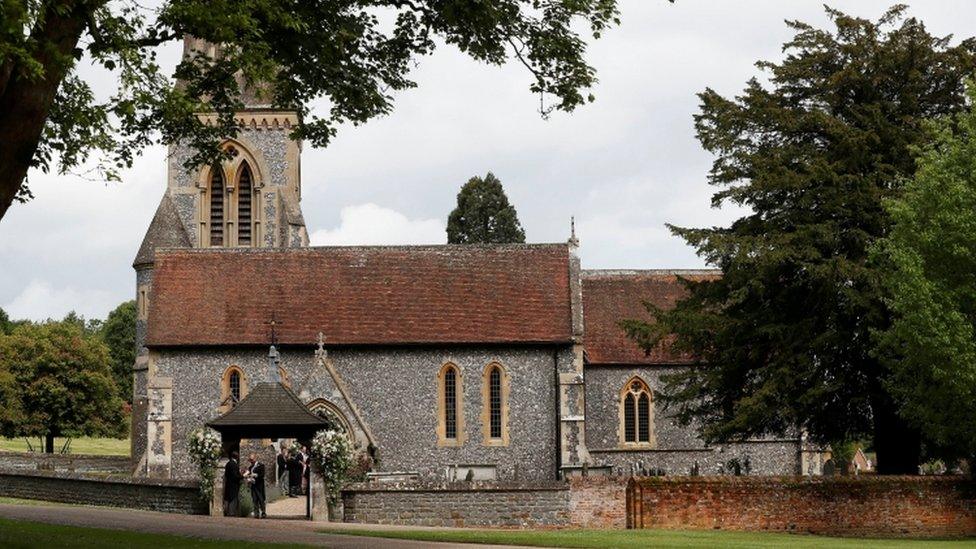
x,y
216,206
450,418
636,414
495,401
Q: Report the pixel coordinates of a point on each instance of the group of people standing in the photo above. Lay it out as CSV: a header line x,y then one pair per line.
x,y
292,475
253,475
293,471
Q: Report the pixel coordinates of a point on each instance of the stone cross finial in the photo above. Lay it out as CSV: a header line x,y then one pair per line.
x,y
273,361
572,231
320,351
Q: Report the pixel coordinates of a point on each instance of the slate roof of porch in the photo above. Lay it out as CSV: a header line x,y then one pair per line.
x,y
268,404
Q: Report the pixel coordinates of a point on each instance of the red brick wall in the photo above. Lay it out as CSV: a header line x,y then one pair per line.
x,y
849,506
598,502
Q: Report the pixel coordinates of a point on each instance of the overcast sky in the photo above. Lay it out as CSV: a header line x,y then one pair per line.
x,y
624,165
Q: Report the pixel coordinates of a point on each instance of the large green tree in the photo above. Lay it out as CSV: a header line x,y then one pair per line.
x,y
483,214
784,336
355,53
6,326
62,384
119,334
930,259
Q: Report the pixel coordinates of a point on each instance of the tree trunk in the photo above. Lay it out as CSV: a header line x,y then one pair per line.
x,y
898,445
25,103
49,443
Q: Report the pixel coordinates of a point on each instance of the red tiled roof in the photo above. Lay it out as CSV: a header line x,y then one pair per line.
x,y
362,295
612,296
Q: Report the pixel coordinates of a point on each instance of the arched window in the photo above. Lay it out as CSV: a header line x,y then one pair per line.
x,y
494,415
450,403
216,206
450,416
245,194
636,414
495,402
233,388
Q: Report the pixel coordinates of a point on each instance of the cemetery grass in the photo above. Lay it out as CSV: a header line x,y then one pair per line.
x,y
633,539
25,534
80,445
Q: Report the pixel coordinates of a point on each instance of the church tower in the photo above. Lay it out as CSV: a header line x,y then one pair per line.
x,y
250,201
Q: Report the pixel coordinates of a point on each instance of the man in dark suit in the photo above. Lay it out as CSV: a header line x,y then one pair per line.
x,y
255,477
294,475
232,486
282,463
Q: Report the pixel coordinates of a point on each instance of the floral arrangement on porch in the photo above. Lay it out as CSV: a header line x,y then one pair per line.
x,y
332,455
205,448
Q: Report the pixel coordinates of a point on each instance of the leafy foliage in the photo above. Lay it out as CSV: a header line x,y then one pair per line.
x,y
930,256
784,336
62,383
119,334
332,455
5,325
483,214
355,53
205,447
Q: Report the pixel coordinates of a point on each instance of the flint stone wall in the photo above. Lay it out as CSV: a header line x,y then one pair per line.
x,y
678,448
395,390
170,496
458,504
80,463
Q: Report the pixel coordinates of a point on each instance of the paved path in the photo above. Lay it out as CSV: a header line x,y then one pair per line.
x,y
297,532
287,507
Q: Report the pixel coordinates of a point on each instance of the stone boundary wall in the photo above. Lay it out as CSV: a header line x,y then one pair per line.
x,y
598,502
846,506
170,496
74,463
498,503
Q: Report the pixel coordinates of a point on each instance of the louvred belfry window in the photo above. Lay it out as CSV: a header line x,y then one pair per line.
x,y
216,206
245,191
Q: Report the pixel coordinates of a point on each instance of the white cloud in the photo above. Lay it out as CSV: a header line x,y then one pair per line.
x,y
624,165
39,300
369,223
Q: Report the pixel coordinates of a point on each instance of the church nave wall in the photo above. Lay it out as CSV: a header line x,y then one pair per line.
x,y
395,392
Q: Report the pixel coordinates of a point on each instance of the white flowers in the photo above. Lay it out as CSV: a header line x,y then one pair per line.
x,y
332,454
205,448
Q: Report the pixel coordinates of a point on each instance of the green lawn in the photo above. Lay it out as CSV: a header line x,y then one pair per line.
x,y
626,539
81,445
17,534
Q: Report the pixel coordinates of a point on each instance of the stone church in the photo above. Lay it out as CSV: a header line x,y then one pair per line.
x,y
503,360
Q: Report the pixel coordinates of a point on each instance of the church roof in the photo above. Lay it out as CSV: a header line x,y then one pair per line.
x,y
269,404
612,296
372,295
165,231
